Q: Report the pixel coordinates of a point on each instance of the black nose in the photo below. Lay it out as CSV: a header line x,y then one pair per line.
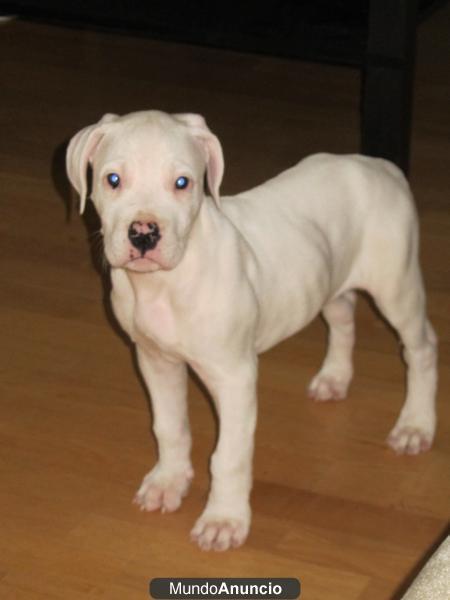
x,y
144,236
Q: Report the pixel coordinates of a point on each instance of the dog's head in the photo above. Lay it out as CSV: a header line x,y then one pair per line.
x,y
148,182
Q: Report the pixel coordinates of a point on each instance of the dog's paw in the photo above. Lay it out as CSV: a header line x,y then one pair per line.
x,y
163,490
405,439
326,387
220,533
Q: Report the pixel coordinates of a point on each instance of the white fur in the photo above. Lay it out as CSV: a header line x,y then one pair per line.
x,y
231,277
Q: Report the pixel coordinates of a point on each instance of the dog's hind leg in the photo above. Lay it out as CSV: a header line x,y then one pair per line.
x,y
333,379
402,301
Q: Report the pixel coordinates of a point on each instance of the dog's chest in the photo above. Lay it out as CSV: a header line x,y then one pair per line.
x,y
155,321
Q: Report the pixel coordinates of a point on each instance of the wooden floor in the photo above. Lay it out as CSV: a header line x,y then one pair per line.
x,y
332,505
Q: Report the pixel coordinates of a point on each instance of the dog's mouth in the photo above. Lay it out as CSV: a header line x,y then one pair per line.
x,y
142,260
148,261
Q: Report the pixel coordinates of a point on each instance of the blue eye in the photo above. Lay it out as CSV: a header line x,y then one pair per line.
x,y
181,183
113,180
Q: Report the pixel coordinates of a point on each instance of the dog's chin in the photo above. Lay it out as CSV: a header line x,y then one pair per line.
x,y
144,265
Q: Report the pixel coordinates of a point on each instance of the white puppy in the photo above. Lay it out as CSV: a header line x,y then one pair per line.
x,y
210,283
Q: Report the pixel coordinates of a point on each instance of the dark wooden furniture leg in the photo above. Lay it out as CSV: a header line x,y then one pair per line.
x,y
388,80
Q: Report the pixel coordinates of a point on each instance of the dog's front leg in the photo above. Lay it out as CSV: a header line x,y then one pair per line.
x,y
225,522
167,483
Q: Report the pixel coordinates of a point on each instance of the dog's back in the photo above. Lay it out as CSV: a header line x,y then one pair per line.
x,y
306,228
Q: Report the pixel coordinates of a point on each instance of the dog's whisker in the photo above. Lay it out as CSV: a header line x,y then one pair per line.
x,y
95,234
97,247
105,263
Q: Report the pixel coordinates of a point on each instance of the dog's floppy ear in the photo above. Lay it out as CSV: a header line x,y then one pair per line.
x,y
80,152
211,148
